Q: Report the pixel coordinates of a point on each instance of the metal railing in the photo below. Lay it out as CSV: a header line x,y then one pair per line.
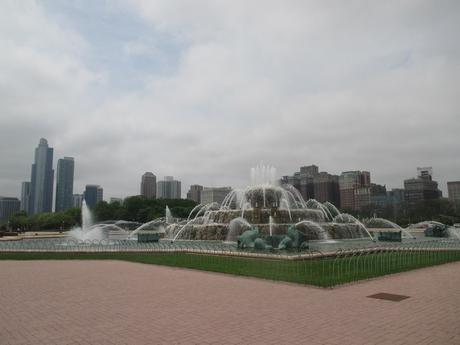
x,y
352,262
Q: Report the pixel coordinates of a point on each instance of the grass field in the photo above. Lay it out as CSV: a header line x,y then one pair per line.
x,y
325,272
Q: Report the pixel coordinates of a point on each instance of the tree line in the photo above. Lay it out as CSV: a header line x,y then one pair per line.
x,y
134,208
142,210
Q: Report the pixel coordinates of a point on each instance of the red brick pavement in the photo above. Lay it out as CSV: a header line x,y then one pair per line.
x,y
112,302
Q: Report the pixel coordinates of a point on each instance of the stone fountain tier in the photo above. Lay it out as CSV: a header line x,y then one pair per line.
x,y
219,231
262,215
339,231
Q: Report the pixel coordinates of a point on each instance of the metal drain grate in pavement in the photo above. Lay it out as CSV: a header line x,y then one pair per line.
x,y
389,297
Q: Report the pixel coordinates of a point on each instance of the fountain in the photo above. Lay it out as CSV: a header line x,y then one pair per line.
x,y
275,210
88,231
282,218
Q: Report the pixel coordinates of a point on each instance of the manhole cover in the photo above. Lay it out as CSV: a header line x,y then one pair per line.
x,y
389,296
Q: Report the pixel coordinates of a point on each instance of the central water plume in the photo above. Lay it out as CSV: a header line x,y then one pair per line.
x,y
168,215
263,175
86,217
88,231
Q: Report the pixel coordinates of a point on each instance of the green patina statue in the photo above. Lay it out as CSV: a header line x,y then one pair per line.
x,y
293,239
247,238
260,244
437,230
251,239
285,243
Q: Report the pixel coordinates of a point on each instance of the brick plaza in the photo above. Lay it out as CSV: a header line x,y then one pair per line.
x,y
115,302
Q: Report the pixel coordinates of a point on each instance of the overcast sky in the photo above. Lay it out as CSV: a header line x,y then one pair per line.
x,y
204,90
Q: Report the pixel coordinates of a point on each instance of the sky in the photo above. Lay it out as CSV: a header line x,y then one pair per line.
x,y
205,90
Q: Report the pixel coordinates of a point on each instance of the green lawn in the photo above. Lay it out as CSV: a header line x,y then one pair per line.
x,y
323,272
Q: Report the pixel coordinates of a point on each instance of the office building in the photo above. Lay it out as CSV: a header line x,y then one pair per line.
x,y
41,196
453,190
422,187
169,188
425,173
313,184
25,196
395,196
92,195
194,193
326,188
114,200
149,185
8,207
303,181
362,198
214,194
355,189
378,195
77,200
64,183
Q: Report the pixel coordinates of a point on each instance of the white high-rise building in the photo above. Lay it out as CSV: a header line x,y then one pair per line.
x,y
169,188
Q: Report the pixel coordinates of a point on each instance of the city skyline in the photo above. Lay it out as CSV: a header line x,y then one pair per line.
x,y
344,87
68,170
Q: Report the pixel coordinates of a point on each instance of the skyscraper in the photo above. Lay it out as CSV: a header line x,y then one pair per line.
x,y
453,189
41,196
303,180
149,185
64,183
77,200
25,196
421,188
8,207
194,193
169,188
311,183
355,191
326,188
93,194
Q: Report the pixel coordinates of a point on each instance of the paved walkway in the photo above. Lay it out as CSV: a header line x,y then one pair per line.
x,y
111,302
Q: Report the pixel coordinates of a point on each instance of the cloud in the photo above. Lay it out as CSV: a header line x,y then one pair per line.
x,y
361,86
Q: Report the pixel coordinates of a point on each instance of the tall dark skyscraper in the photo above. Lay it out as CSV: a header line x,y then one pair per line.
x,y
41,192
64,183
25,196
149,185
93,194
